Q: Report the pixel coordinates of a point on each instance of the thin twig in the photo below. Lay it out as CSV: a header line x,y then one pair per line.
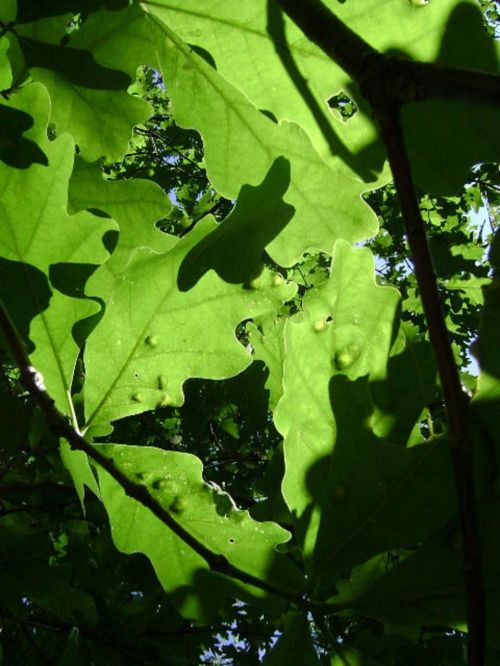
x,y
387,84
387,77
61,426
456,400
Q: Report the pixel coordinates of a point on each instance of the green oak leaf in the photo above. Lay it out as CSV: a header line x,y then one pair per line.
x,y
346,326
37,231
135,205
428,587
266,336
155,334
399,403
268,58
53,253
378,496
327,202
29,11
175,480
5,68
89,99
8,11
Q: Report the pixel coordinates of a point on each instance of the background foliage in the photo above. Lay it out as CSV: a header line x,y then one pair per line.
x,y
203,253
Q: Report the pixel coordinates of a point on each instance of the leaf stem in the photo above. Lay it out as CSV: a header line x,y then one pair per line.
x,y
388,83
62,427
456,401
386,77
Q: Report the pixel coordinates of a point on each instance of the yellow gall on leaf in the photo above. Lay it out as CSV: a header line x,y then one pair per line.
x,y
162,382
164,400
151,341
319,325
255,283
137,397
178,505
278,280
344,358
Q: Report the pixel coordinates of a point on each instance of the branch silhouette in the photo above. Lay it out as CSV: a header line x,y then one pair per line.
x,y
387,83
61,426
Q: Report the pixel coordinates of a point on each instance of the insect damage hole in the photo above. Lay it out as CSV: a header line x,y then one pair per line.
x,y
342,106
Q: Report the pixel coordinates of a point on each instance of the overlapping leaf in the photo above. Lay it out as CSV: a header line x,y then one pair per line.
x,y
38,233
327,202
5,68
346,327
89,96
281,71
175,480
428,587
378,496
266,337
154,335
136,205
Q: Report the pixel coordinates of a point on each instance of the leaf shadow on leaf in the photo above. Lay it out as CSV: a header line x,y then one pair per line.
x,y
399,401
446,137
16,150
413,592
234,249
25,293
75,65
367,161
374,496
70,279
214,594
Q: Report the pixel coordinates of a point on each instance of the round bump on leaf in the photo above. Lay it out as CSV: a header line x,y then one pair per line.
x,y
278,280
164,400
151,341
137,397
344,358
160,484
178,505
319,325
162,382
255,283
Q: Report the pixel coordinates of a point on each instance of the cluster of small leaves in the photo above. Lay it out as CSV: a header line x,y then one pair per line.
x,y
460,231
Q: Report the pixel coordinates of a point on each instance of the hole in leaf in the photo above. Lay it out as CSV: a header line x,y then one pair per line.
x,y
342,105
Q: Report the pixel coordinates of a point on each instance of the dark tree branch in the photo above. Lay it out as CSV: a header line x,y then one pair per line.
x,y
455,399
62,427
388,83
387,78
